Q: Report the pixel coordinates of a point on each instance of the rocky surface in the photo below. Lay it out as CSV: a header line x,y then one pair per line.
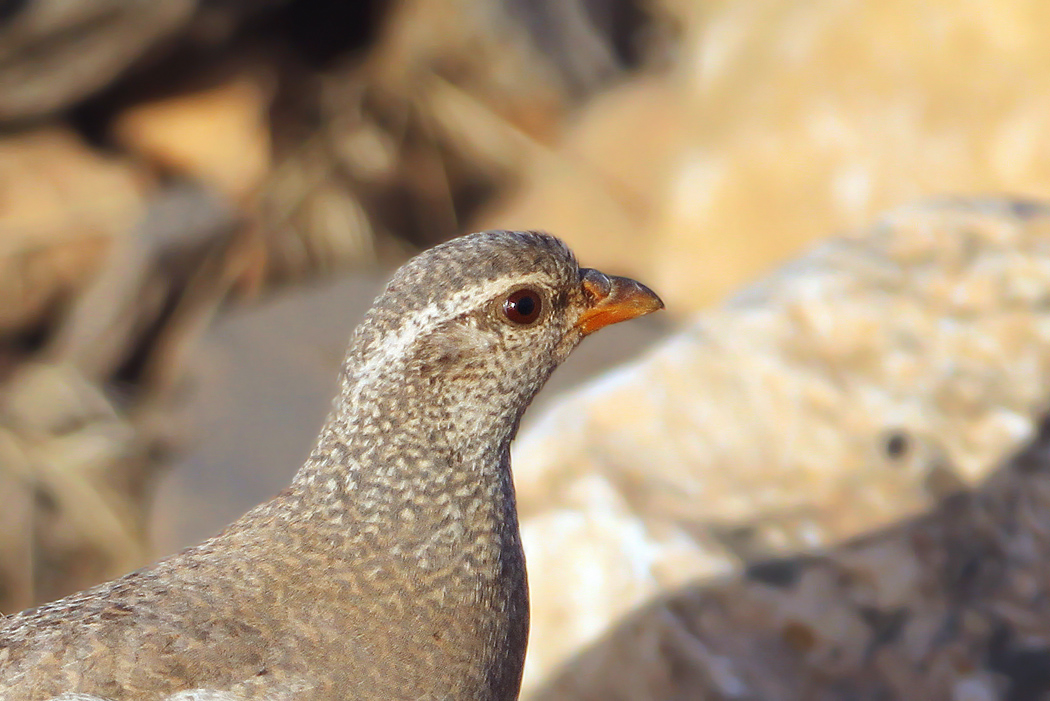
x,y
948,606
855,387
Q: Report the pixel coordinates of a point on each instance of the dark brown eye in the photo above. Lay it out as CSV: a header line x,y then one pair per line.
x,y
523,307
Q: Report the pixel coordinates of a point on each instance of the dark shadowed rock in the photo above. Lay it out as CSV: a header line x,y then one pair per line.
x,y
953,604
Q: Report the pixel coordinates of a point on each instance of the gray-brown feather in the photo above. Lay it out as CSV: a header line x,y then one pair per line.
x,y
392,567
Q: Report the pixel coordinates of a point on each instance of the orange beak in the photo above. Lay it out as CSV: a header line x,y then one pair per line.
x,y
613,299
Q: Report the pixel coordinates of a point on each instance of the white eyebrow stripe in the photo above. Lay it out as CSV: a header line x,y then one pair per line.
x,y
188,695
394,345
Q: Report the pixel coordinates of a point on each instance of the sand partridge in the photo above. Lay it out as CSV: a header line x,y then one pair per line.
x,y
392,567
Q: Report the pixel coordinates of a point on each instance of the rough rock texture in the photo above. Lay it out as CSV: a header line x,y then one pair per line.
x,y
949,606
853,388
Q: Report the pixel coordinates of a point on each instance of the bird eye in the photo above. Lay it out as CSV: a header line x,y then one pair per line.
x,y
523,306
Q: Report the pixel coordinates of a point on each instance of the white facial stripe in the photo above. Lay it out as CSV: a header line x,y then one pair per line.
x,y
189,695
395,345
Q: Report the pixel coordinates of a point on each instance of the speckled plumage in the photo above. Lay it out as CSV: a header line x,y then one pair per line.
x,y
392,567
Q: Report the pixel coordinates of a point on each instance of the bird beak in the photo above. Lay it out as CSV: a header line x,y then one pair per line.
x,y
613,299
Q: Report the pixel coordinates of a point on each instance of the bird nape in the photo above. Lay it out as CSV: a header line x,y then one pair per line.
x,y
392,567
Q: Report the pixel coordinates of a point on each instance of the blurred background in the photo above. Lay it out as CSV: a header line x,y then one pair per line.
x,y
199,199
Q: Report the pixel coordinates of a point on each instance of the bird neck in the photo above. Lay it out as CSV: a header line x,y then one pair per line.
x,y
408,498
416,468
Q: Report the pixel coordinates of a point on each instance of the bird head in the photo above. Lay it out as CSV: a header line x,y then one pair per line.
x,y
476,325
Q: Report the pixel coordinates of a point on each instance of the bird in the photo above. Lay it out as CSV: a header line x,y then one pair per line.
x,y
392,567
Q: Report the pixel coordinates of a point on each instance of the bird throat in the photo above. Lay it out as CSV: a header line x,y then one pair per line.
x,y
410,479
402,491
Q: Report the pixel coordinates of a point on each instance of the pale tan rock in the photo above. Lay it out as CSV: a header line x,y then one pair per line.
x,y
854,387
219,135
781,122
813,117
948,606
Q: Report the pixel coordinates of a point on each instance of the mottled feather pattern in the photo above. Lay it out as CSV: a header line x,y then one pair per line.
x,y
392,567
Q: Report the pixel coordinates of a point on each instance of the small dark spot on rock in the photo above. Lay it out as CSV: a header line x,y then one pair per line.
x,y
968,569
942,482
782,572
799,636
886,626
1028,208
897,444
45,500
